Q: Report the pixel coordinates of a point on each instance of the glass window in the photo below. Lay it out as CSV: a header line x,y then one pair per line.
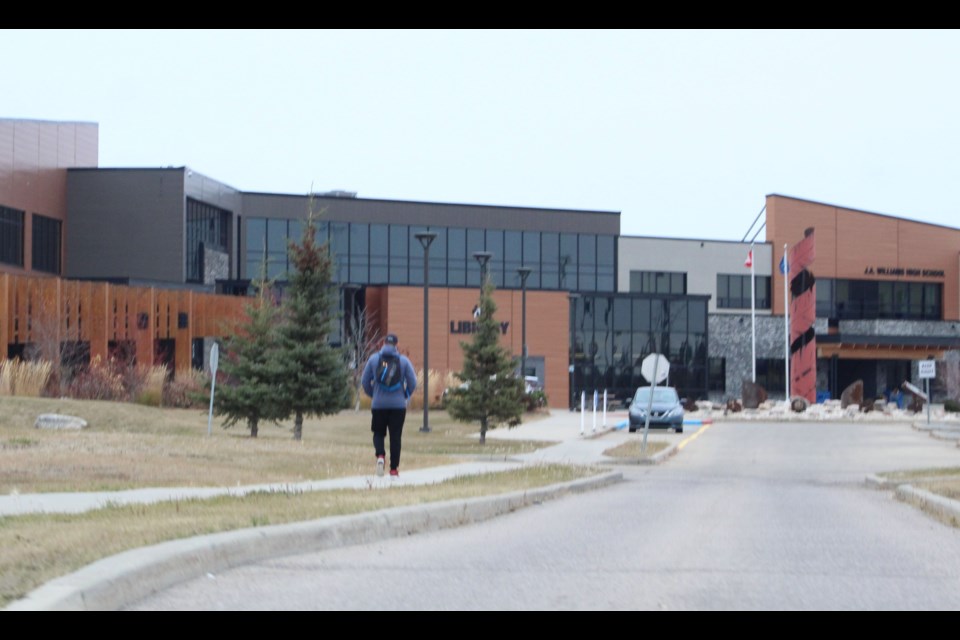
x,y
641,315
379,254
475,242
931,302
568,261
416,256
46,244
11,236
531,257
496,265
513,254
438,257
549,260
606,263
207,227
457,257
399,235
340,249
588,262
359,252
717,374
825,306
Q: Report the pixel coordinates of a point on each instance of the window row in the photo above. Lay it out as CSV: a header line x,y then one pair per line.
x,y
733,291
392,254
872,300
673,282
46,240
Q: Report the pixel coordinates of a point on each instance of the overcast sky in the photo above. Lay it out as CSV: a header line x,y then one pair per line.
x,y
683,132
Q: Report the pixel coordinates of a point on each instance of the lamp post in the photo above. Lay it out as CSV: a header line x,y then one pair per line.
x,y
524,273
482,257
425,238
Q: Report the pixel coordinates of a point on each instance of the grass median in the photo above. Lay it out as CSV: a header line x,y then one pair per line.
x,y
130,446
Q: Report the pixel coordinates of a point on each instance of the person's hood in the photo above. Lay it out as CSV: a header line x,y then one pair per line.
x,y
388,349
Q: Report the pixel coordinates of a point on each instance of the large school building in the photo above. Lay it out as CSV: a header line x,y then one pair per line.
x,y
155,259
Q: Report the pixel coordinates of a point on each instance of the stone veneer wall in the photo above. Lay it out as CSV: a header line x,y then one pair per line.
x,y
730,338
216,266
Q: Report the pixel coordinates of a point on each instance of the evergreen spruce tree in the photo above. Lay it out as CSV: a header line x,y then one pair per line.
x,y
250,366
314,379
493,394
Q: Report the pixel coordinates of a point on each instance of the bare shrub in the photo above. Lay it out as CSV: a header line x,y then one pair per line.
x,y
99,381
187,390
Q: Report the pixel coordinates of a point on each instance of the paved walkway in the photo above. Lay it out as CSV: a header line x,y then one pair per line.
x,y
562,427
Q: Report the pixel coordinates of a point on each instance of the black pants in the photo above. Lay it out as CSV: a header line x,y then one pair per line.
x,y
392,420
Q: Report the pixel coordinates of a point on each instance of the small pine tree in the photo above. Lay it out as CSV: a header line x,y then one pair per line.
x,y
250,367
492,394
314,379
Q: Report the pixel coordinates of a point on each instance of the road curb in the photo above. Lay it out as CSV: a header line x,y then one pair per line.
x,y
943,508
120,580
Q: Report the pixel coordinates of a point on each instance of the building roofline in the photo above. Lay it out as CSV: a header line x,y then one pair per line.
x,y
50,121
738,242
321,196
871,213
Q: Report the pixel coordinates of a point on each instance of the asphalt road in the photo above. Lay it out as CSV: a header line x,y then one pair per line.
x,y
746,517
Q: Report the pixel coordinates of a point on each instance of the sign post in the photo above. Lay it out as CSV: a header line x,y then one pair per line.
x,y
928,370
214,363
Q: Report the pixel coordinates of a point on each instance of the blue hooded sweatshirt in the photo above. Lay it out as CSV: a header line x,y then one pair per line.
x,y
389,399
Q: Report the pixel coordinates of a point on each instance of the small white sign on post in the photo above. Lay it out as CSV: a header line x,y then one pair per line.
x,y
928,371
214,363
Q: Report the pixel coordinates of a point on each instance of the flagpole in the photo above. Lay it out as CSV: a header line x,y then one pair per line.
x,y
785,270
753,315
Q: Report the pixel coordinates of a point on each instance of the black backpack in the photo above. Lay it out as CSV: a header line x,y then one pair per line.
x,y
389,372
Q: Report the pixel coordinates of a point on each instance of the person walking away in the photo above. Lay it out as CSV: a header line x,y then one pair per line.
x,y
389,379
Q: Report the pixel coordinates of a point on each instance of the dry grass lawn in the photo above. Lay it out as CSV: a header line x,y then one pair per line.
x,y
132,446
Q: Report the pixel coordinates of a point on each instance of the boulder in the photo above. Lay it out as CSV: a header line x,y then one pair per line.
x,y
733,406
58,421
753,395
799,404
852,395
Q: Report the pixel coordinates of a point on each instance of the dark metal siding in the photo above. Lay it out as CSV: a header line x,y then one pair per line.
x,y
125,223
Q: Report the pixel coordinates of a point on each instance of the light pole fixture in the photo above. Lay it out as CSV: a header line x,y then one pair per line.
x,y
482,257
425,238
524,273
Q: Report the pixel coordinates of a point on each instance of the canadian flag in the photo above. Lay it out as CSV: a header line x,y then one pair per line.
x,y
749,261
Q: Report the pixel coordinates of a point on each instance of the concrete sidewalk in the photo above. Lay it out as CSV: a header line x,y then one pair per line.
x,y
561,427
120,580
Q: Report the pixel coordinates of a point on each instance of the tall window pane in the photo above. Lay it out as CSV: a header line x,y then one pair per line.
x,y
46,244
379,254
568,261
549,260
531,257
11,236
457,257
399,253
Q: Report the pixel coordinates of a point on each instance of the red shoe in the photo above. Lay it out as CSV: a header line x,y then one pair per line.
x,y
394,473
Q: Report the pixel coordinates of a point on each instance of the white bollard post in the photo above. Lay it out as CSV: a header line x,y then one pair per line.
x,y
583,409
604,408
594,430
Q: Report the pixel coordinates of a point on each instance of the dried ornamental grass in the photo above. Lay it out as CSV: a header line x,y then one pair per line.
x,y
19,378
152,392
